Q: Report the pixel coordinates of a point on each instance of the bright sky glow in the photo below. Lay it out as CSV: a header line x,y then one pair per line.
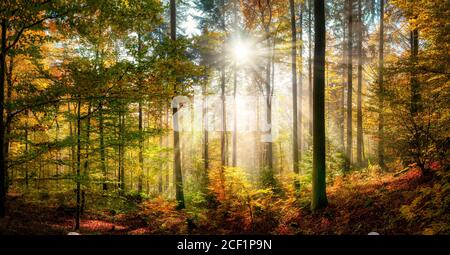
x,y
241,52
190,26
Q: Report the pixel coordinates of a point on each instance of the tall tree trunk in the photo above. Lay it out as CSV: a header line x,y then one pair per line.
x,y
72,144
257,138
415,87
381,91
102,148
122,151
58,152
310,72
234,157
223,133
268,145
348,156
295,157
141,139
342,99
119,152
166,145
416,105
10,179
160,172
300,87
149,141
224,120
176,134
141,150
205,132
359,132
26,149
86,157
319,197
3,165
78,176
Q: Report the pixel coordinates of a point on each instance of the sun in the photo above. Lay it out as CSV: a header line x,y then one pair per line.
x,y
241,52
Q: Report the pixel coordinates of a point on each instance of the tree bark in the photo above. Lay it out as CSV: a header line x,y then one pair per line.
x,y
415,87
176,134
141,139
86,157
3,165
359,132
161,168
349,147
223,132
319,198
26,149
205,132
122,151
268,145
102,148
9,88
78,176
310,72
342,99
234,156
295,156
300,86
381,91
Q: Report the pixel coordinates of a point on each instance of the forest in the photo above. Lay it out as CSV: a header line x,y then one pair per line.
x,y
282,117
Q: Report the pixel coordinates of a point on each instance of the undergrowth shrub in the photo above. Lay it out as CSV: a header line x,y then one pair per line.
x,y
431,207
162,217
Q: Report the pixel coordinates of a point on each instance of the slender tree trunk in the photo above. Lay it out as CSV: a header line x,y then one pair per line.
x,y
381,91
9,89
122,151
205,132
141,139
415,88
149,140
319,197
166,145
160,170
268,132
78,176
72,144
295,151
359,135
3,165
176,134
26,149
257,138
141,151
119,163
300,87
310,72
102,148
342,99
416,105
234,157
223,133
224,120
58,153
86,157
348,156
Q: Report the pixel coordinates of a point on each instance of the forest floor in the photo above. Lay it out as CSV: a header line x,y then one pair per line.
x,y
387,203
